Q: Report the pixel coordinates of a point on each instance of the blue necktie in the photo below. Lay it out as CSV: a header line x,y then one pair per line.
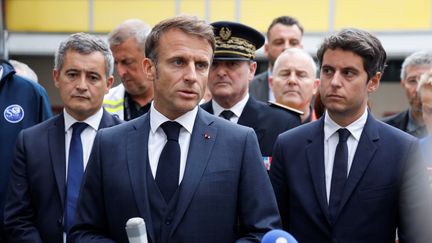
x,y
227,114
74,174
339,176
167,174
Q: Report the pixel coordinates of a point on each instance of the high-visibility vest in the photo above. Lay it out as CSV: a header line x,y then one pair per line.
x,y
114,101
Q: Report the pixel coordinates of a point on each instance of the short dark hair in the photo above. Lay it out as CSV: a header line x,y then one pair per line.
x,y
362,43
188,24
285,20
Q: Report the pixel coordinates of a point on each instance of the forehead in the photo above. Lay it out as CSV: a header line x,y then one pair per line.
x,y
93,61
296,59
339,58
176,42
284,31
417,70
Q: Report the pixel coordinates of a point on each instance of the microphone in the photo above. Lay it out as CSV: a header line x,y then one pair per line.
x,y
278,236
136,230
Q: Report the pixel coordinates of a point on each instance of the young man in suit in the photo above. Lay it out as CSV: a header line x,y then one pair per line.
x,y
232,68
50,158
348,177
284,32
191,176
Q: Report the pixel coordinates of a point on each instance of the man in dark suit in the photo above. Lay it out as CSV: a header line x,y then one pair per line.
x,y
411,120
347,177
191,176
232,68
40,185
284,32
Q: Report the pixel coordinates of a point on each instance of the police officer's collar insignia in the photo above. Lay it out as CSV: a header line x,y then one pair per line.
x,y
13,113
225,33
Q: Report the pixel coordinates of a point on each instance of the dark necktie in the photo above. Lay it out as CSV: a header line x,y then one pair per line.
x,y
74,174
339,176
167,174
227,114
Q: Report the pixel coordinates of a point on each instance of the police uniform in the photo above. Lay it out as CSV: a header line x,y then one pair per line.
x,y
23,103
238,42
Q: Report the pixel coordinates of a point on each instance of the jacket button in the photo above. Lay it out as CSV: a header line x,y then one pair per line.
x,y
168,222
60,221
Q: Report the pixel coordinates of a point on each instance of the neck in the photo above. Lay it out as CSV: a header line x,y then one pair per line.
x,y
142,100
306,113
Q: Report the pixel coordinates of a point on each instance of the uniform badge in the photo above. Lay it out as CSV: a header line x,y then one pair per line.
x,y
13,113
225,33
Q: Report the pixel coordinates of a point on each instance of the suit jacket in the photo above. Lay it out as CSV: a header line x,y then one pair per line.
x,y
381,193
259,87
225,194
400,121
267,122
36,197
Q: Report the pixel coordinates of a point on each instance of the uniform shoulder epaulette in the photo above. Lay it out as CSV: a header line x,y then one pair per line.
x,y
285,108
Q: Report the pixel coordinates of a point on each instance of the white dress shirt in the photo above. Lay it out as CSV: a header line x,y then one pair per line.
x,y
157,138
331,139
237,109
87,136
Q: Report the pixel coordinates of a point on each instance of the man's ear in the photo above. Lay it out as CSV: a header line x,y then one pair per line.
x,y
149,69
374,82
56,74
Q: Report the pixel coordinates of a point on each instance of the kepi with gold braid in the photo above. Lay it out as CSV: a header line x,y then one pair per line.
x,y
235,41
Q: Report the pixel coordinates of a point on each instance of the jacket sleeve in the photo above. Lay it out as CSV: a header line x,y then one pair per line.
x,y
258,211
19,213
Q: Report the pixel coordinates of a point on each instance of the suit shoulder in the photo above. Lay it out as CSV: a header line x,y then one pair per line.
x,y
396,119
388,130
286,109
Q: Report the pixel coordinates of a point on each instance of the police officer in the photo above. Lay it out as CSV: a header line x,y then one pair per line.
x,y
232,68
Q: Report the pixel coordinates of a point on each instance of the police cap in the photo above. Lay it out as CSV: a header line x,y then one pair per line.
x,y
235,41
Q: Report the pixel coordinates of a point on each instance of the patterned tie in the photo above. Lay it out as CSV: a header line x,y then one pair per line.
x,y
339,176
74,174
227,114
167,174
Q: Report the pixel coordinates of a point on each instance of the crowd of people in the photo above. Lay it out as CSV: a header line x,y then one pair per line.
x,y
203,149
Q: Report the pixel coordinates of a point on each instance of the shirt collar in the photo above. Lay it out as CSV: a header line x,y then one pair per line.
x,y
237,109
355,128
187,120
93,121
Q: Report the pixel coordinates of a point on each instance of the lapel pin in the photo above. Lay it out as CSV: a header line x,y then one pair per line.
x,y
206,136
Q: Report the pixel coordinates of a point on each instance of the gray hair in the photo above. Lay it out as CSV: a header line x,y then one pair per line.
x,y
418,58
84,44
135,28
301,51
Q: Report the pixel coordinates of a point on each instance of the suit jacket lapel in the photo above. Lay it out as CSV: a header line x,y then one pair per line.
x,y
315,158
56,143
362,157
107,120
201,145
249,117
137,156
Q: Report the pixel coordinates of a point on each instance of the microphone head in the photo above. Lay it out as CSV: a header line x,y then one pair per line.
x,y
135,222
278,236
